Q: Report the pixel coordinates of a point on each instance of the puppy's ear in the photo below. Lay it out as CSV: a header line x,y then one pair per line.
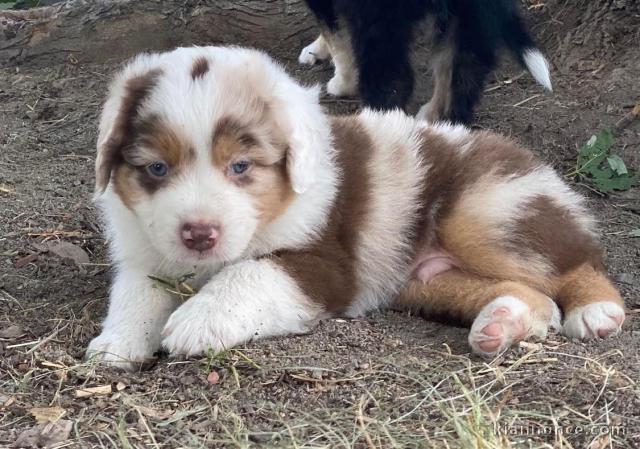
x,y
299,116
309,136
119,113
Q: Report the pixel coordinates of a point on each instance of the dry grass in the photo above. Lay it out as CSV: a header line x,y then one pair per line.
x,y
395,400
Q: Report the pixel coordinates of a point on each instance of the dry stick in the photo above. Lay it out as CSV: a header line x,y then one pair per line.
x,y
532,97
360,417
146,426
506,82
47,339
627,119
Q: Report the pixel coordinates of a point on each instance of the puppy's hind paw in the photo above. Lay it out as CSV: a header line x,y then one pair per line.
x,y
596,320
505,321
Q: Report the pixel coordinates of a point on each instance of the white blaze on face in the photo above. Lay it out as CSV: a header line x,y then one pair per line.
x,y
203,194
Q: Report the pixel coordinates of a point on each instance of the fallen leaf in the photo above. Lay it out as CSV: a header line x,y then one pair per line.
x,y
153,413
6,401
634,233
47,414
213,377
44,435
601,442
68,250
13,331
52,365
530,346
26,260
101,390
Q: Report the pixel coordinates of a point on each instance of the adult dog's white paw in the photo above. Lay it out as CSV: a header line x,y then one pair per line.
x,y
314,52
338,86
507,320
119,350
596,320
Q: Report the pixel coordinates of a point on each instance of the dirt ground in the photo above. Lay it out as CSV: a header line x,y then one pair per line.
x,y
391,380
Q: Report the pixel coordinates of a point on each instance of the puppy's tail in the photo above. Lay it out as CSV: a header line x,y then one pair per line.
x,y
517,39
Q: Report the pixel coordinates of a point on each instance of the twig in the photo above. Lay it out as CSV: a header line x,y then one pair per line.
x,y
520,103
627,119
47,339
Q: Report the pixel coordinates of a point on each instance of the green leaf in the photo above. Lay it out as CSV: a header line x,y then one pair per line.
x,y
617,165
6,5
634,233
595,150
607,185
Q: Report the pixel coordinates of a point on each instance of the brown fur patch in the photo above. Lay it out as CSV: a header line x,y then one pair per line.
x,y
451,173
123,134
457,296
326,269
478,250
584,285
267,180
489,158
200,68
154,142
546,253
552,230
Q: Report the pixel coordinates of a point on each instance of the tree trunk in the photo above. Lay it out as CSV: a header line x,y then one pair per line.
x,y
102,30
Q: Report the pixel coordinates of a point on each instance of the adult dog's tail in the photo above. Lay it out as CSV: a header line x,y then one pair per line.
x,y
517,39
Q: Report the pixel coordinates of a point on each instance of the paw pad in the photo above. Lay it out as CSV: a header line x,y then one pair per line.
x,y
503,322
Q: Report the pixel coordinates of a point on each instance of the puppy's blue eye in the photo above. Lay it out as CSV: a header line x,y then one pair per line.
x,y
240,167
159,169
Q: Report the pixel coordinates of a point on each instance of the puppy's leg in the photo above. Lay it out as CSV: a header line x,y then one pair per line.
x,y
592,306
249,300
345,79
317,50
131,332
500,313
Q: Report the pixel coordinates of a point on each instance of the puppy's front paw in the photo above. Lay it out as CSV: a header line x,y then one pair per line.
x,y
193,329
339,86
595,320
507,320
118,350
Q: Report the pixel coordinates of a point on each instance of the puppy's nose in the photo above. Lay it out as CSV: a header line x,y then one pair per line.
x,y
199,236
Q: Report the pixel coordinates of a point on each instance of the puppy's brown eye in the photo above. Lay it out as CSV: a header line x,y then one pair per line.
x,y
239,168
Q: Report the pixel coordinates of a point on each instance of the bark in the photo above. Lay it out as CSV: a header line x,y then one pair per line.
x,y
102,30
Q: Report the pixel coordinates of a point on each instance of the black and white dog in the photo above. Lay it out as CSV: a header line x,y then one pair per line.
x,y
370,42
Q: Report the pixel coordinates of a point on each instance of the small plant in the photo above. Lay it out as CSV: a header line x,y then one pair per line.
x,y
19,4
598,166
178,287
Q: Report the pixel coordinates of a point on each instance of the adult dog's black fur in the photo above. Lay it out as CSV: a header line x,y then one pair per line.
x,y
370,43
